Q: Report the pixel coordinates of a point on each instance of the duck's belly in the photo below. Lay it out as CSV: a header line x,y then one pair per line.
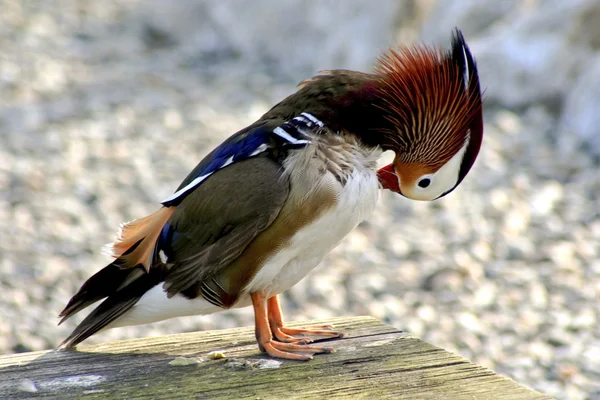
x,y
356,201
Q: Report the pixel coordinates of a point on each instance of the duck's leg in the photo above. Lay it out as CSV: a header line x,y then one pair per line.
x,y
284,334
275,348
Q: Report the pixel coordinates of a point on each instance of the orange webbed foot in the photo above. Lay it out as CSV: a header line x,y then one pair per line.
x,y
278,341
325,331
293,351
289,335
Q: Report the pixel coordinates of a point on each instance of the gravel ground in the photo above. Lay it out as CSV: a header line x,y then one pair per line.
x,y
102,116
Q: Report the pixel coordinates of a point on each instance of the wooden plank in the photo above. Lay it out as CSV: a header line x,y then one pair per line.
x,y
373,361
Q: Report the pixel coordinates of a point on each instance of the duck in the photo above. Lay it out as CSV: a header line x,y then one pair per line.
x,y
262,210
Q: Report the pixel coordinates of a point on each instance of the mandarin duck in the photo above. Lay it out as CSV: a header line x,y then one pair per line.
x,y
261,210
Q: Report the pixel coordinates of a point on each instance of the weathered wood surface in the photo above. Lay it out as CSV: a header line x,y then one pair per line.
x,y
374,361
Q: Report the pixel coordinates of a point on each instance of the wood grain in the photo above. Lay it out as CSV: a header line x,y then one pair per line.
x,y
374,361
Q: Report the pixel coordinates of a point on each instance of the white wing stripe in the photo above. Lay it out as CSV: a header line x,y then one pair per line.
x,y
259,150
302,119
187,187
313,119
284,135
226,163
279,131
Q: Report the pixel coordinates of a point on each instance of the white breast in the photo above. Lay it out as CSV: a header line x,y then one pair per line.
x,y
357,199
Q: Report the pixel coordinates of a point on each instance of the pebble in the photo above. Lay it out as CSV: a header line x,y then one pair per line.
x,y
183,361
216,355
27,385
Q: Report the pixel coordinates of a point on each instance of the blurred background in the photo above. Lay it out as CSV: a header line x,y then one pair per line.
x,y
105,106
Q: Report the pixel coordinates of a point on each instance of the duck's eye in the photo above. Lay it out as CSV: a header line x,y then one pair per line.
x,y
424,183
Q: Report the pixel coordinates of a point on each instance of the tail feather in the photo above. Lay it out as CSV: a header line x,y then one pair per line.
x,y
104,283
103,315
112,308
136,239
123,282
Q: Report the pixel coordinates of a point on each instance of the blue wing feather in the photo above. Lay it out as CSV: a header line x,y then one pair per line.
x,y
244,144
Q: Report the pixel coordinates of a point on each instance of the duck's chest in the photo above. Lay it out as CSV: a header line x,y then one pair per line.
x,y
326,202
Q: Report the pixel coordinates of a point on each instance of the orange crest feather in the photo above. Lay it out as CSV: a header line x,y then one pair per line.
x,y
425,100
